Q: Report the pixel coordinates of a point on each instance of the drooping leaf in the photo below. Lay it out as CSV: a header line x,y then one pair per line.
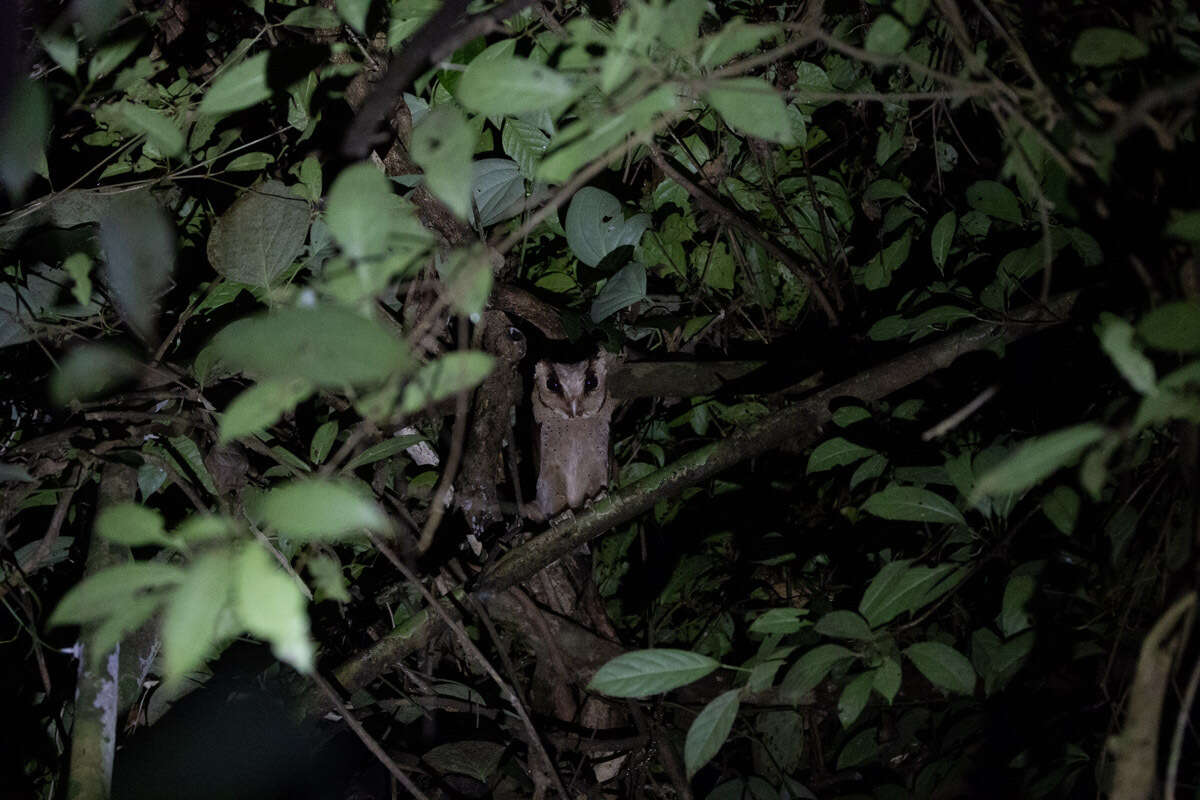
x,y
944,666
836,452
159,130
442,145
943,237
478,759
777,620
622,290
596,225
260,235
133,525
996,200
238,87
105,592
320,510
1061,507
190,628
498,189
261,406
271,606
887,36
138,241
843,624
1037,458
1103,47
322,442
1116,339
912,504
709,730
854,698
445,377
753,106
510,86
810,669
642,673
91,371
1174,327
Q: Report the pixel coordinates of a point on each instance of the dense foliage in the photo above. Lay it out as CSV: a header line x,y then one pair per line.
x,y
903,304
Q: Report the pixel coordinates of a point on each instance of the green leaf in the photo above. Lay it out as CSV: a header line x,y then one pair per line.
x,y
497,189
132,525
943,237
525,143
886,679
944,666
312,17
63,47
105,592
327,345
846,416
996,200
844,625
642,673
110,55
321,510
79,267
912,10
777,620
190,627
24,129
752,106
1102,47
862,748
1037,458
259,236
449,375
622,290
382,450
91,371
912,504
709,730
1017,593
1185,226
885,189
836,452
1174,327
854,698
734,39
1061,507
360,210
139,244
510,86
261,406
468,278
159,130
810,669
900,587
442,145
238,87
322,442
1116,339
888,36
272,607
596,225
869,469
355,13
328,578
477,759
250,162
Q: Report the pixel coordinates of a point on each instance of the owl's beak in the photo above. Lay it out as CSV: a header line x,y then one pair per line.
x,y
574,408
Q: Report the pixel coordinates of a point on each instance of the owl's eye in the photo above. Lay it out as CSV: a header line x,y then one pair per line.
x,y
553,385
590,383
515,335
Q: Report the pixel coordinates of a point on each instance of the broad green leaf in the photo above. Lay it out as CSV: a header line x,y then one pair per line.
x,y
105,592
1017,593
862,748
943,237
139,247
642,673
836,452
191,622
885,189
844,625
752,106
869,469
382,450
777,620
452,373
887,36
191,456
133,525
709,730
622,290
322,442
478,759
497,188
996,200
250,162
911,10
238,87
912,504
846,416
261,406
312,17
328,345
1102,47
1185,226
468,278
259,236
63,47
854,698
328,578
734,39
355,13
1037,458
810,669
79,267
511,86
1174,327
129,615
110,55
204,528
900,587
1061,507
321,510
525,143
271,606
442,145
1116,339
944,666
886,679
596,225
360,210
91,371
159,130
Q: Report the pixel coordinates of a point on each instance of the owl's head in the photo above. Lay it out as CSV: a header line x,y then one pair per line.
x,y
572,390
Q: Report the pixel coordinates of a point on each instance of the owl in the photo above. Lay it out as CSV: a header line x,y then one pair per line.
x,y
571,412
